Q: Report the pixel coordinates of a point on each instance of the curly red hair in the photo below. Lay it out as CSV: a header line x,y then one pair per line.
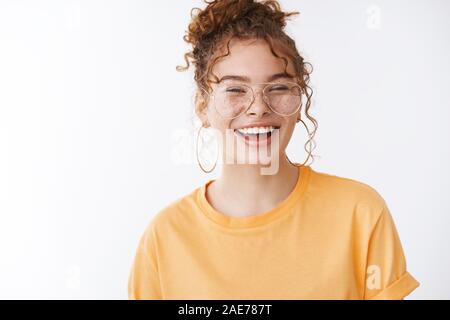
x,y
211,30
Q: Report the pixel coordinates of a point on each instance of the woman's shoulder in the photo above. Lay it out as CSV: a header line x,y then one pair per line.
x,y
345,188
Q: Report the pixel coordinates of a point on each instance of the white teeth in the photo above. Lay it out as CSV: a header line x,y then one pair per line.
x,y
256,130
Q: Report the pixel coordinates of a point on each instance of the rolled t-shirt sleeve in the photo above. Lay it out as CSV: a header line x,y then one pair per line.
x,y
387,277
143,281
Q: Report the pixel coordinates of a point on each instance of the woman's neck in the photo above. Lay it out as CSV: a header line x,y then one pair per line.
x,y
242,189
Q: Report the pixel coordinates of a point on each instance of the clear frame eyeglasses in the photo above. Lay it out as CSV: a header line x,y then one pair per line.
x,y
231,99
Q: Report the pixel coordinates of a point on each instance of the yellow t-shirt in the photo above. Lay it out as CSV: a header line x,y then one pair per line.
x,y
331,238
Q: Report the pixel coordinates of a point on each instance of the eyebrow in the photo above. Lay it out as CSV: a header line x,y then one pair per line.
x,y
247,79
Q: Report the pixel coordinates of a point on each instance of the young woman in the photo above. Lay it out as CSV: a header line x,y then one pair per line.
x,y
289,232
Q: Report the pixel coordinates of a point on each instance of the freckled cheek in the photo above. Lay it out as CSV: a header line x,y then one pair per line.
x,y
217,121
220,126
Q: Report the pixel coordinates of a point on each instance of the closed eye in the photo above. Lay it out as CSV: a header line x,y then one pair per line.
x,y
236,90
279,88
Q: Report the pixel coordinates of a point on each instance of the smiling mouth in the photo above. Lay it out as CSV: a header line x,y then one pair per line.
x,y
260,133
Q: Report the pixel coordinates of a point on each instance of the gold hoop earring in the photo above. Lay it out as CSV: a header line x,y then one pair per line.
x,y
198,160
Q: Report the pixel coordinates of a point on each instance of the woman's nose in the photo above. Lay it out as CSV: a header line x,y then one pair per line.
x,y
258,107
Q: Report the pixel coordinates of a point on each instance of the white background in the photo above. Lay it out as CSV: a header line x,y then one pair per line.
x,y
91,107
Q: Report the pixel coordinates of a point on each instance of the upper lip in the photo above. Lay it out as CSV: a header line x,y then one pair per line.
x,y
258,124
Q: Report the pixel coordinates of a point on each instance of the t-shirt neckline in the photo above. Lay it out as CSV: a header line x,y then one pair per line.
x,y
260,218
